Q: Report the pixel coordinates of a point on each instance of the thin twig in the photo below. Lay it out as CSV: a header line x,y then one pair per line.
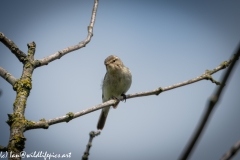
x,y
92,134
7,76
69,116
235,148
13,47
63,52
213,100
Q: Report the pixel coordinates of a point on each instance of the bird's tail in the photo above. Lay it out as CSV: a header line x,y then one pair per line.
x,y
102,118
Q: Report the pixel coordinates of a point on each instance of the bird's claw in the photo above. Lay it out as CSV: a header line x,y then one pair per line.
x,y
124,97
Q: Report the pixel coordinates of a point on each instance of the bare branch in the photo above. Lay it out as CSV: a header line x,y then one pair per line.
x,y
231,152
89,145
206,76
46,123
63,52
69,116
13,47
213,100
4,74
3,149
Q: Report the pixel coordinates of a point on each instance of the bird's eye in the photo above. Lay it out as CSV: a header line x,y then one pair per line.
x,y
114,60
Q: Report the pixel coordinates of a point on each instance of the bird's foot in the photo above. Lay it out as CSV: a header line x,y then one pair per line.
x,y
124,97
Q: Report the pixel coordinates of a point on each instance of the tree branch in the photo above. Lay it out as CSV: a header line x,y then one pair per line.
x,y
213,100
3,149
231,152
13,47
206,76
17,120
92,134
69,116
63,52
4,74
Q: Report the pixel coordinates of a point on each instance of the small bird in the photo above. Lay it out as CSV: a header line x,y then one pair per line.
x,y
116,83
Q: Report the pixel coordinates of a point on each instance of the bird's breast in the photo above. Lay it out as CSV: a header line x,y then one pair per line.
x,y
115,84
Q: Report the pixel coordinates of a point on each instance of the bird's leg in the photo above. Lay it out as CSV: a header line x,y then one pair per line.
x,y
113,97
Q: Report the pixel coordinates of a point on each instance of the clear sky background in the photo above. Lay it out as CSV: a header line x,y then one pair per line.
x,y
162,42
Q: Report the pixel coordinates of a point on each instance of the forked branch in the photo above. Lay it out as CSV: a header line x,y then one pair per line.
x,y
92,134
63,52
209,108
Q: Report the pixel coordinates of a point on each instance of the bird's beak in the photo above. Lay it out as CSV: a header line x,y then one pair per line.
x,y
106,63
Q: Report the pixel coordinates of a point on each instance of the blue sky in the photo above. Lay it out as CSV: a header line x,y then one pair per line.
x,y
162,42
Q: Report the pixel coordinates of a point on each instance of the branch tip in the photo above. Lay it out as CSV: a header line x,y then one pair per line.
x,y
1,35
31,44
